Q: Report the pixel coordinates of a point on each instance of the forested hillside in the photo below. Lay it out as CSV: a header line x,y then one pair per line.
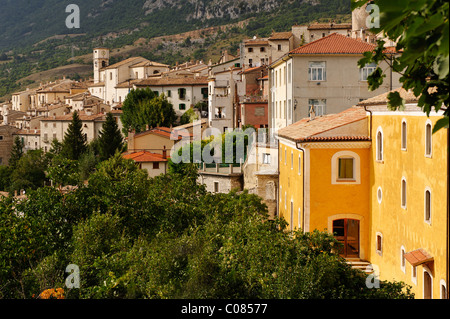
x,y
34,37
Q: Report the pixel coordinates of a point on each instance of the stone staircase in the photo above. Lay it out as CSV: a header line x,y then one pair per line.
x,y
360,264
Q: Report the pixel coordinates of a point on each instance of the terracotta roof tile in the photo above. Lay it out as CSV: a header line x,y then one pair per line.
x,y
310,130
418,257
334,44
281,36
145,157
173,81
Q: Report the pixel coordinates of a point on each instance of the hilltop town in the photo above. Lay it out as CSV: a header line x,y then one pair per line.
x,y
326,152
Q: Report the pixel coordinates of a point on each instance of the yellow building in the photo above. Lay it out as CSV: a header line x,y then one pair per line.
x,y
378,180
409,196
324,177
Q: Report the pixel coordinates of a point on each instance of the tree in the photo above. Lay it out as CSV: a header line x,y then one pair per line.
x,y
30,171
143,108
16,152
74,143
421,29
110,139
130,108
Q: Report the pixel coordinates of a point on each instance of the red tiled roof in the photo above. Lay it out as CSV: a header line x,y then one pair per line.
x,y
334,44
311,130
165,132
145,157
173,81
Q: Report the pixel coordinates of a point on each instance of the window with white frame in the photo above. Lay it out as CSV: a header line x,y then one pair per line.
x,y
299,165
379,154
299,218
414,274
345,168
428,139
367,70
318,105
317,71
379,243
292,160
402,259
427,204
292,216
404,140
403,193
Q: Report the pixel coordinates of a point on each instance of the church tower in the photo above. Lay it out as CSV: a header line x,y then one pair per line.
x,y
101,60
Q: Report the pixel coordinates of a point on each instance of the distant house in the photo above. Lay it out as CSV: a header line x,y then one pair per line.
x,y
155,164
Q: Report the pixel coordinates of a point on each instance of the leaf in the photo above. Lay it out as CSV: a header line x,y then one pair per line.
x,y
395,101
441,123
441,66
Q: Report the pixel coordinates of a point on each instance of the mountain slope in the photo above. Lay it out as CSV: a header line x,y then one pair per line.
x,y
25,22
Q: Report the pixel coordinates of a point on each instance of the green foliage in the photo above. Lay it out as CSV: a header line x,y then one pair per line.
x,y
421,29
63,171
16,152
74,143
110,139
30,171
188,117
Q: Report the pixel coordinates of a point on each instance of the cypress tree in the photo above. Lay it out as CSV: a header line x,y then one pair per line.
x,y
74,143
16,152
110,139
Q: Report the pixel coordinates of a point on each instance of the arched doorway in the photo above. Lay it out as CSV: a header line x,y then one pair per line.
x,y
347,232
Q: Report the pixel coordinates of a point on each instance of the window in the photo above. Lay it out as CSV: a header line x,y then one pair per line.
x,y
367,70
345,168
169,93
428,141
404,141
250,50
299,165
204,93
279,47
1,137
155,165
299,218
216,187
182,106
266,158
428,206
292,216
182,94
262,49
379,195
379,145
250,62
403,193
379,244
289,73
317,71
318,106
285,156
110,76
1,160
414,274
402,259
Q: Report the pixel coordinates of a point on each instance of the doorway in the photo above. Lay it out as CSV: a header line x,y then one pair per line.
x,y
347,232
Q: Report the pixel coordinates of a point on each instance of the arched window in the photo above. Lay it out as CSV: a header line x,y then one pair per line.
x,y
428,139
404,140
427,285
379,145
427,205
403,193
402,259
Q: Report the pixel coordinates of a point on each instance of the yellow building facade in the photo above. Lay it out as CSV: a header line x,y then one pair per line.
x,y
408,197
377,179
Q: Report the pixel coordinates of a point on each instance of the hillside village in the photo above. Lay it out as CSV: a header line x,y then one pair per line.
x,y
332,155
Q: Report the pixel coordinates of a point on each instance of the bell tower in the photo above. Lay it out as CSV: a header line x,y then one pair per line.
x,y
101,60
